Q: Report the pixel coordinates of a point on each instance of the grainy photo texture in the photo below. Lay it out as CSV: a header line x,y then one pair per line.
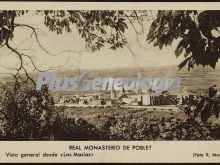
x,y
104,75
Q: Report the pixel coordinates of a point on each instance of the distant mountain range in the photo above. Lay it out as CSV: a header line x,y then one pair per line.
x,y
197,78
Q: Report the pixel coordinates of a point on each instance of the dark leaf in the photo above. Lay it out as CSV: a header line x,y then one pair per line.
x,y
182,64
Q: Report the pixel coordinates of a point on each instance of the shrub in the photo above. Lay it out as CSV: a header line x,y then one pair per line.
x,y
26,115
129,128
65,128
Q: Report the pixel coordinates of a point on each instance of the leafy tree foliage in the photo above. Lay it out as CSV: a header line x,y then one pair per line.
x,y
94,26
65,128
98,28
194,30
26,115
165,128
31,115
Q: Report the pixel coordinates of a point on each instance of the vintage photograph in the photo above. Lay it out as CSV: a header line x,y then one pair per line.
x,y
109,75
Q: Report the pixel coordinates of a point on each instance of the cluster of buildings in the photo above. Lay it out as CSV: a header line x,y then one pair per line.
x,y
134,98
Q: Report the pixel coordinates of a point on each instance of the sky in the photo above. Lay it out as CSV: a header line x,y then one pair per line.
x,y
69,50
